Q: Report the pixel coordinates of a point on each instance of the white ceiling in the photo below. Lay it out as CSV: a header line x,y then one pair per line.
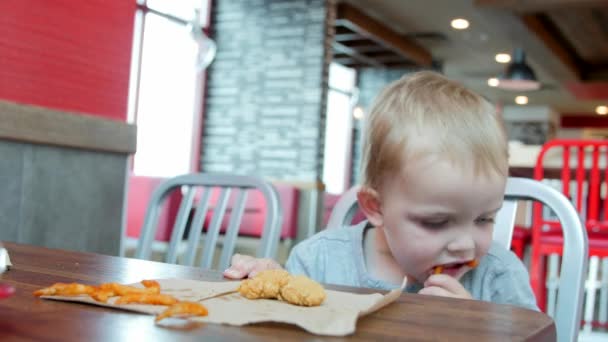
x,y
468,55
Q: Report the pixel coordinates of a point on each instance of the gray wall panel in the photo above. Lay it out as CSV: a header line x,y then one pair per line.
x,y
71,199
11,170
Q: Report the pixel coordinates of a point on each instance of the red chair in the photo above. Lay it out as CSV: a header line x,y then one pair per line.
x,y
522,237
583,175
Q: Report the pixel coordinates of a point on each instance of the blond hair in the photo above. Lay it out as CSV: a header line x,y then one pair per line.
x,y
425,113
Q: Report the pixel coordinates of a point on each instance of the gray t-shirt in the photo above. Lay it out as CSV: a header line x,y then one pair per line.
x,y
335,256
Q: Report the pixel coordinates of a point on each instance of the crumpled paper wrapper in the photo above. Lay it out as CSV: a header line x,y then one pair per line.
x,y
337,316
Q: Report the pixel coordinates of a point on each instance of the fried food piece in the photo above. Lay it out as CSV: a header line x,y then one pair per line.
x,y
265,284
183,309
150,287
438,270
146,298
101,295
107,290
301,290
63,289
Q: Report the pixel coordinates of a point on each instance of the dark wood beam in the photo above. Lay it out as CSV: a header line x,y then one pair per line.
x,y
345,34
513,28
536,26
355,20
340,48
530,6
596,74
385,57
363,45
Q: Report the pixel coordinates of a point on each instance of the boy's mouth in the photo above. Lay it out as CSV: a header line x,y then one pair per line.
x,y
454,268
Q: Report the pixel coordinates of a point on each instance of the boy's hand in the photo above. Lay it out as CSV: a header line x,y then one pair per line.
x,y
445,286
242,266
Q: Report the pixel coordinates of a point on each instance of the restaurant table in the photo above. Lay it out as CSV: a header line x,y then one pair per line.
x,y
24,317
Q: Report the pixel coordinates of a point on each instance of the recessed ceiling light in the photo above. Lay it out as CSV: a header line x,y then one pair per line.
x,y
493,82
601,110
358,113
460,24
503,58
521,100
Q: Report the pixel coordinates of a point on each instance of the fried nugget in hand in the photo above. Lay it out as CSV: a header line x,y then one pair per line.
x,y
265,284
63,289
301,290
183,309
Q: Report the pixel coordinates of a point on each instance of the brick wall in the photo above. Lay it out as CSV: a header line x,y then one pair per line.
x,y
266,90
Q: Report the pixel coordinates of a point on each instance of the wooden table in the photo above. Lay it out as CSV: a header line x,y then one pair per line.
x,y
415,317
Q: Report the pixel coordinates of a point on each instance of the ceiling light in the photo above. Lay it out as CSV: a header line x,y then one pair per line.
x,y
503,58
460,24
518,76
601,110
358,113
493,82
521,100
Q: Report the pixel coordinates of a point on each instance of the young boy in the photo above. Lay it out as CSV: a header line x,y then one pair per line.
x,y
435,169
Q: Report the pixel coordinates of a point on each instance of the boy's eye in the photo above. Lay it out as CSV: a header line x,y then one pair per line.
x,y
485,220
434,224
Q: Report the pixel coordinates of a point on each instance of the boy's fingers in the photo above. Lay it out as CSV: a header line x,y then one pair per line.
x,y
233,273
241,266
245,265
239,258
448,284
239,271
435,291
444,281
262,265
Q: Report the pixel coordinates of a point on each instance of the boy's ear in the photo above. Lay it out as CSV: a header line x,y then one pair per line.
x,y
369,203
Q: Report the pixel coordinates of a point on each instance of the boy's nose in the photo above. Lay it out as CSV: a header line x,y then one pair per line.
x,y
462,242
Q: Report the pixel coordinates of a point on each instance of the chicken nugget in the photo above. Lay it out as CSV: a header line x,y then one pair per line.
x,y
301,290
265,284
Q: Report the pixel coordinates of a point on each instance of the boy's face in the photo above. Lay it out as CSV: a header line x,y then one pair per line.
x,y
438,214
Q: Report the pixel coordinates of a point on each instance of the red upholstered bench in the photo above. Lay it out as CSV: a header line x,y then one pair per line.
x,y
255,211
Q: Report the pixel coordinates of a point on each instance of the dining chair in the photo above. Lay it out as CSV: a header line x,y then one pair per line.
x,y
200,191
568,307
581,175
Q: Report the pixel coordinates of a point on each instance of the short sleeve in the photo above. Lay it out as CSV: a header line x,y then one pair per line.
x,y
305,259
512,286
